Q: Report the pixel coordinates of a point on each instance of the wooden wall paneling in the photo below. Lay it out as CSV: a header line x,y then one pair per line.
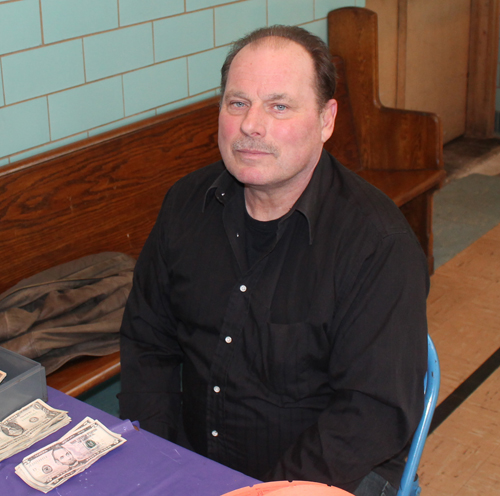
x,y
388,42
483,60
402,34
425,60
437,58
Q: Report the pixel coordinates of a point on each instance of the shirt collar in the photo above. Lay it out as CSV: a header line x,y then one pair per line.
x,y
223,188
311,200
308,204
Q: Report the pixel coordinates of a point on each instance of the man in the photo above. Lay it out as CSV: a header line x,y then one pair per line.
x,y
291,291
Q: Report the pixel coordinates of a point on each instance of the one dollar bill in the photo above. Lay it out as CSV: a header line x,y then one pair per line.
x,y
29,425
54,464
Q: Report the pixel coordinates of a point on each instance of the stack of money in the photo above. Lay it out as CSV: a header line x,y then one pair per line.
x,y
29,425
3,375
82,446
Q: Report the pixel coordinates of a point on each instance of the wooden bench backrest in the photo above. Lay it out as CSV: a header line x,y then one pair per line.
x,y
385,133
344,142
100,194
104,193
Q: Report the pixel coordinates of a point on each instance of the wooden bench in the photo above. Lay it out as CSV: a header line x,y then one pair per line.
x,y
399,151
103,193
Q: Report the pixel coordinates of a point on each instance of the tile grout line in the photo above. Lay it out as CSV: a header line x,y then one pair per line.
x,y
1,81
213,21
153,41
123,98
48,120
84,65
41,22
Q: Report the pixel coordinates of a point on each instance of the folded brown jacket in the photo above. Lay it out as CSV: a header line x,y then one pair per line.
x,y
67,311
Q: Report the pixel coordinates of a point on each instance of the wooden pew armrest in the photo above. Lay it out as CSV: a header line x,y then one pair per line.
x,y
401,139
368,135
403,186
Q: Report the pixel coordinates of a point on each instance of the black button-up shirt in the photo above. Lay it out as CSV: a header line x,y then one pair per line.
x,y
310,363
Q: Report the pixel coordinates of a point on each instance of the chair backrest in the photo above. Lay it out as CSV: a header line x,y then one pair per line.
x,y
409,482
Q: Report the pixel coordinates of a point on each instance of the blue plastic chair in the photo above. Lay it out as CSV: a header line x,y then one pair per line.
x,y
409,482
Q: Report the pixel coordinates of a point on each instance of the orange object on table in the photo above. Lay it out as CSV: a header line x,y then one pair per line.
x,y
286,488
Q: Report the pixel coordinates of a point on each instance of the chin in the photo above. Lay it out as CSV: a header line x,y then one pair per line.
x,y
248,174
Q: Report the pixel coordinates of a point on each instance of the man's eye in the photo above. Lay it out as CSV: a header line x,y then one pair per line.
x,y
237,104
280,107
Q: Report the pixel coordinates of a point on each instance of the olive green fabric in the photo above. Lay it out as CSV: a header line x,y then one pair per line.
x,y
67,311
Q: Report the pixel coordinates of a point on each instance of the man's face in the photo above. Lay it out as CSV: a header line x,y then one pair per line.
x,y
271,131
64,456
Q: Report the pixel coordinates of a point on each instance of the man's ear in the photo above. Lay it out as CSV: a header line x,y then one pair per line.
x,y
328,115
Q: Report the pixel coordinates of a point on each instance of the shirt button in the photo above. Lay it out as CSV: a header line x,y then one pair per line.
x,y
217,389
228,339
243,288
215,433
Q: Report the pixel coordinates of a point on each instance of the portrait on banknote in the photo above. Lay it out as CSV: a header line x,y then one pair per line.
x,y
11,429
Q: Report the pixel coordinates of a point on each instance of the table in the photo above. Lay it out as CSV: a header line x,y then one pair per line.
x,y
145,465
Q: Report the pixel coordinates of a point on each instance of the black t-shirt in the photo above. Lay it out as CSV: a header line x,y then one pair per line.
x,y
260,236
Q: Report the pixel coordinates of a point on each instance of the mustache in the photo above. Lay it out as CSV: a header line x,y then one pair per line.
x,y
254,145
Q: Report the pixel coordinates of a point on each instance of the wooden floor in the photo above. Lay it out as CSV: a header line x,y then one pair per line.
x,y
462,455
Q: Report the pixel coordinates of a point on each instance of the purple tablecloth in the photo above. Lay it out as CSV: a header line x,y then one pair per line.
x,y
145,465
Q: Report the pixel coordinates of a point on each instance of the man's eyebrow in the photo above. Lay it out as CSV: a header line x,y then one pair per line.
x,y
235,94
267,98
280,97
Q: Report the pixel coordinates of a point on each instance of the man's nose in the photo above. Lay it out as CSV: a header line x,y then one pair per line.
x,y
254,122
